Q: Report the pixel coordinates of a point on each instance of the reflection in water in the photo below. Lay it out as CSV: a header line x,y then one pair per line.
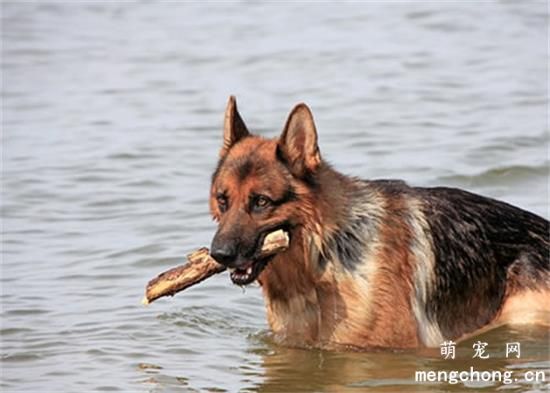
x,y
390,371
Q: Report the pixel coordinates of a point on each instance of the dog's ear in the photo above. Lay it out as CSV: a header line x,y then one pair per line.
x,y
234,128
297,146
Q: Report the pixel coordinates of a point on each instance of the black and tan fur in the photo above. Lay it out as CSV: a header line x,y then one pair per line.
x,y
371,263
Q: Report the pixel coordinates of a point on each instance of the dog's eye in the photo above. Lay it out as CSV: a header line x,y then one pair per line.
x,y
261,202
222,202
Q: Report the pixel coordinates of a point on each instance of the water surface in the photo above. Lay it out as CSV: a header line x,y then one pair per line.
x,y
112,119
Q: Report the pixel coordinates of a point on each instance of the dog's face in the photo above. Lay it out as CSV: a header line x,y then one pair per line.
x,y
259,186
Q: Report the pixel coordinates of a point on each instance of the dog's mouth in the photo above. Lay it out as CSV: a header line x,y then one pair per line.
x,y
249,272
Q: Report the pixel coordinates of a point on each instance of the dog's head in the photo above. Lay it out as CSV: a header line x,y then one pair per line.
x,y
261,185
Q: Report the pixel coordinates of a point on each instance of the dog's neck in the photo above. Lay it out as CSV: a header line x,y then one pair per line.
x,y
333,240
289,284
303,282
322,291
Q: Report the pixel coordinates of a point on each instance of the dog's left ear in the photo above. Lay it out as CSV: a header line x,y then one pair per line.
x,y
297,146
234,128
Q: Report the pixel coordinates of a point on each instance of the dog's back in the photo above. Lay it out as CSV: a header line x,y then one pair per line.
x,y
485,254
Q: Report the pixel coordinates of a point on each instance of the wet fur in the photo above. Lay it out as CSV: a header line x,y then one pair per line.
x,y
373,263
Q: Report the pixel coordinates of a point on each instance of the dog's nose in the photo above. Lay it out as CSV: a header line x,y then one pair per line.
x,y
224,254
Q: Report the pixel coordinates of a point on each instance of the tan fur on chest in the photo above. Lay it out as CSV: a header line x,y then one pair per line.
x,y
342,314
367,308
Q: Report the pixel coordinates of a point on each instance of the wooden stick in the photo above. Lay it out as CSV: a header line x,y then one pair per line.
x,y
200,265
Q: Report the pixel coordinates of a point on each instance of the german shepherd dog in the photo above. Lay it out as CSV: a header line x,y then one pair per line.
x,y
371,263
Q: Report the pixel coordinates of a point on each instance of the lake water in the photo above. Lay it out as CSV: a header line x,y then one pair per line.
x,y
112,118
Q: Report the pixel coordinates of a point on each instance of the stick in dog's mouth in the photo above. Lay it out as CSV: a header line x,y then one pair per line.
x,y
272,243
201,265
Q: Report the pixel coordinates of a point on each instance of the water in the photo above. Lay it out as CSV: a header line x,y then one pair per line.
x,y
111,127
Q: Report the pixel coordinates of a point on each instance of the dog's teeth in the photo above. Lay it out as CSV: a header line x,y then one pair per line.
x,y
249,270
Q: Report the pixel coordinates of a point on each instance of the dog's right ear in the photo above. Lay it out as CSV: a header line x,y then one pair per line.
x,y
234,128
297,147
